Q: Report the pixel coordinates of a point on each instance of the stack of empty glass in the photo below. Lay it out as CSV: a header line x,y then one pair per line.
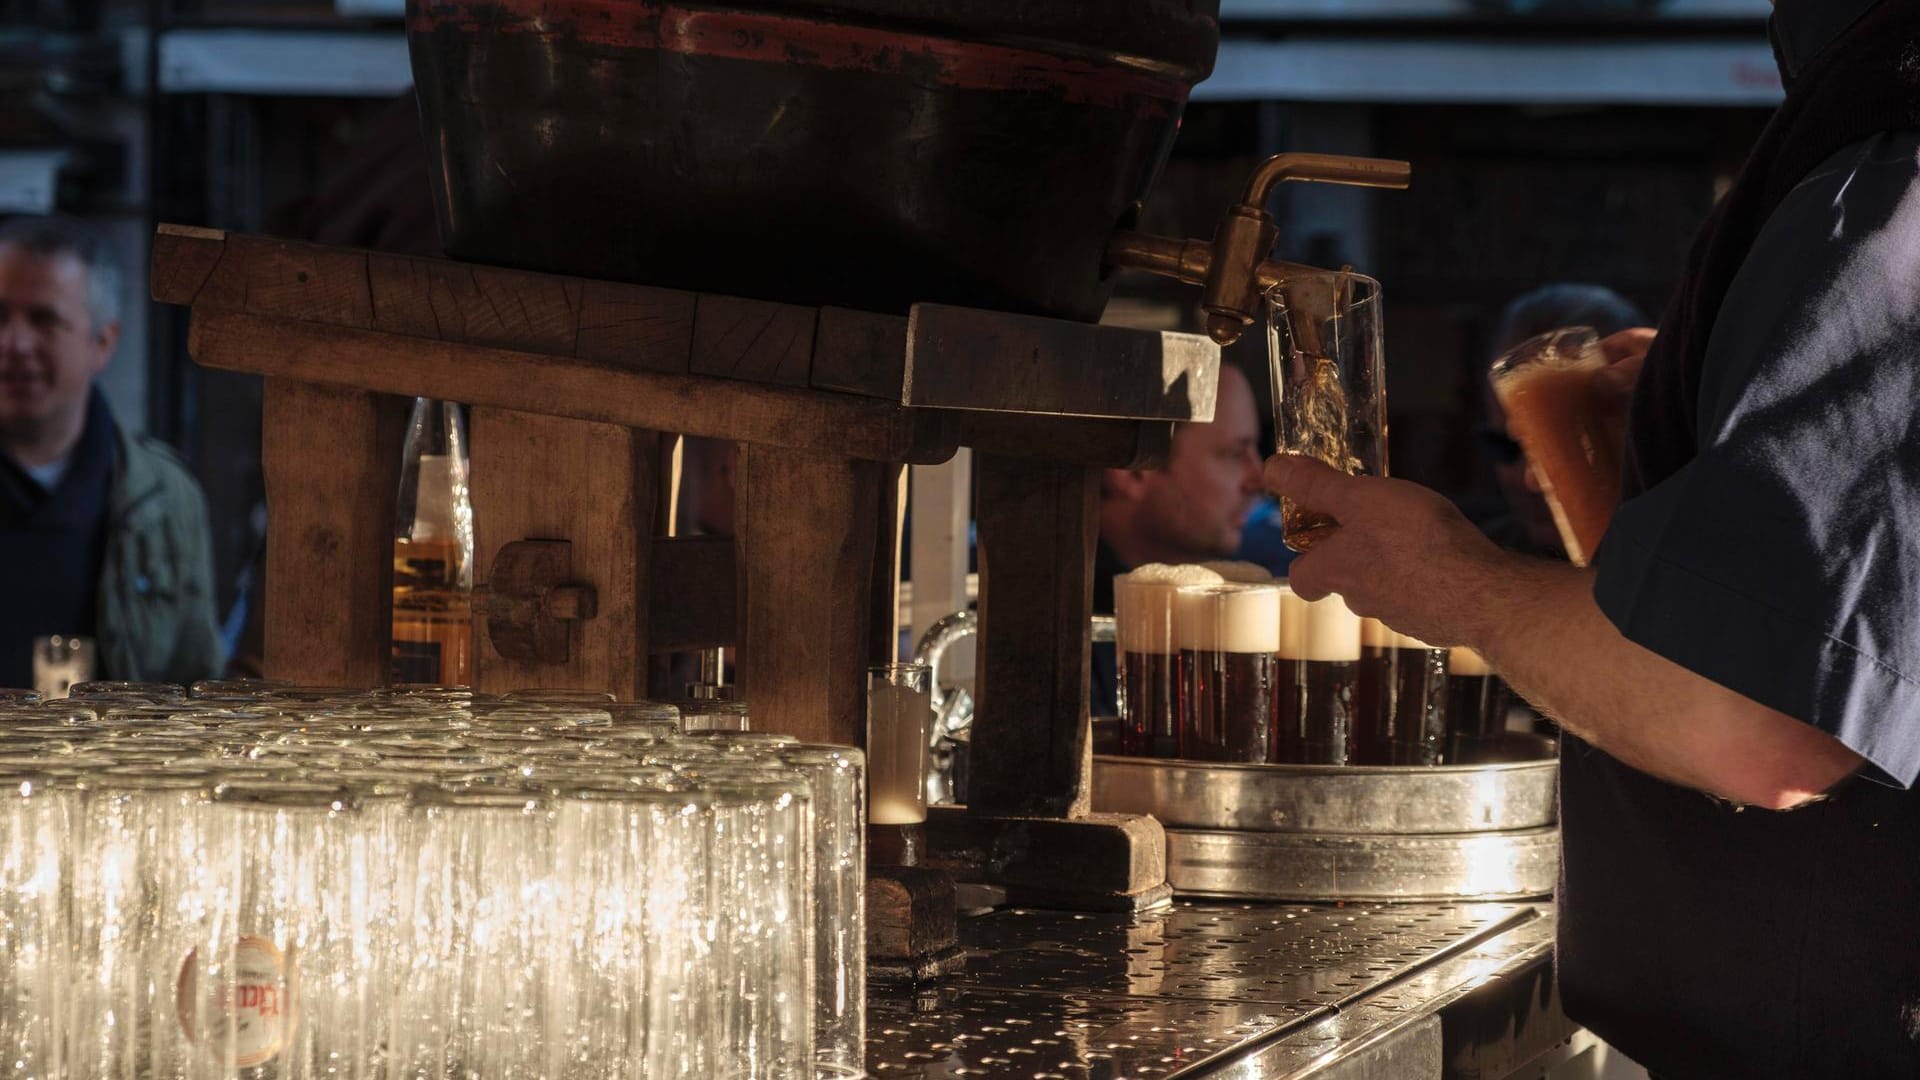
x,y
420,882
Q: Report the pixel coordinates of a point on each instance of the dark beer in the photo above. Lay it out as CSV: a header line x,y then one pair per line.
x,y
1400,703
1476,708
1319,681
1149,696
1229,636
1145,653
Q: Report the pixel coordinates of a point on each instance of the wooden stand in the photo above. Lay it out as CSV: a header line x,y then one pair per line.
x,y
571,381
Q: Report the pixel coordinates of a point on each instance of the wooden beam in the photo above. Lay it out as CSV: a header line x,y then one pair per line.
x,y
694,594
1096,443
592,485
331,459
1027,364
565,387
1031,742
806,527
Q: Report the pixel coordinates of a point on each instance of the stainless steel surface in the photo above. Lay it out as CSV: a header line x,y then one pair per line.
x,y
1328,798
1209,989
1297,866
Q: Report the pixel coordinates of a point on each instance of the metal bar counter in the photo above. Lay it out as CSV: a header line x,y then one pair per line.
x,y
1246,991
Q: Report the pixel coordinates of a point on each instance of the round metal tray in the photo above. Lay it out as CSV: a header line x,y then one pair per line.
x,y
1480,866
1376,800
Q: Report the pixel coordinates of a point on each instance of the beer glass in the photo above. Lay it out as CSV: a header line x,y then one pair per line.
x,y
1477,703
1329,385
1229,639
1147,658
1400,699
1319,674
899,713
1574,441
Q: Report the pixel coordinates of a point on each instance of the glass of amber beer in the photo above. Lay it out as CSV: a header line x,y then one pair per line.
x,y
1329,386
1573,440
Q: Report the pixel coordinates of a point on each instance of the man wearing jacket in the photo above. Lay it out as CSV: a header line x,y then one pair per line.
x,y
103,533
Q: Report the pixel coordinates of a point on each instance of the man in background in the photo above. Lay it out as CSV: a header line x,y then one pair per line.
x,y
1522,521
1193,508
103,533
1190,510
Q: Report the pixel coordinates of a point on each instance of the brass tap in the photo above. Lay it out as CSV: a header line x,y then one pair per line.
x,y
1234,268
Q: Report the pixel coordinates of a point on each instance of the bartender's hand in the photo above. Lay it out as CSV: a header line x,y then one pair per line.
x,y
1402,554
1626,353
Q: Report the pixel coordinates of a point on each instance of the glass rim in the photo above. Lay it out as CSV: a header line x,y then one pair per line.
x,y
1545,348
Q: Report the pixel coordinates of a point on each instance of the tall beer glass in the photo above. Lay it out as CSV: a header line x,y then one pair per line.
x,y
1329,386
1476,708
1229,638
1146,655
1400,702
1573,440
1319,678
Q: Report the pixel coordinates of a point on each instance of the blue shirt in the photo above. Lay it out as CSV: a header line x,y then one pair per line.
x,y
1779,558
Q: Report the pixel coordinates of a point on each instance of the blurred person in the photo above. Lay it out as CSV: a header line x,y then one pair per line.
x,y
1738,672
103,533
1191,509
1523,523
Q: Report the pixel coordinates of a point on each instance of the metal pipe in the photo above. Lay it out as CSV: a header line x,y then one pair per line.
x,y
1327,169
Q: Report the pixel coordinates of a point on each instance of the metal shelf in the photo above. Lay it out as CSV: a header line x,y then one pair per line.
x,y
1531,68
1407,70
284,62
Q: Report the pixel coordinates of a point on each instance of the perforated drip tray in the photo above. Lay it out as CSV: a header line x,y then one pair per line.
x,y
1059,994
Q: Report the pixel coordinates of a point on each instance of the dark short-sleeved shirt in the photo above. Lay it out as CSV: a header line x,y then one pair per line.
x,y
1781,561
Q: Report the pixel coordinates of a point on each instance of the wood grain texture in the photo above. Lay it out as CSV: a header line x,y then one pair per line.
x,y
331,459
806,526
1095,858
753,340
958,359
910,912
860,352
1100,444
561,386
692,602
543,478
1037,524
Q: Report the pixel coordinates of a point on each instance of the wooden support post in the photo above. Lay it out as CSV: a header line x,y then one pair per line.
x,y
1038,522
806,528
884,642
331,459
594,486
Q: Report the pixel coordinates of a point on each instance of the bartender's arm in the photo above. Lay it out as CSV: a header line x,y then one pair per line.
x,y
1405,555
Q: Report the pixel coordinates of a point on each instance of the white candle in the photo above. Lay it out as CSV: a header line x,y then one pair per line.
x,y
897,721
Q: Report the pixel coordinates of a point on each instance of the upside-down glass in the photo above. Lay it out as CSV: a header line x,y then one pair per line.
x,y
1574,439
1325,352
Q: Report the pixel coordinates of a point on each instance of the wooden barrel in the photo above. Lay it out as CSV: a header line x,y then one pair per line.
x,y
862,153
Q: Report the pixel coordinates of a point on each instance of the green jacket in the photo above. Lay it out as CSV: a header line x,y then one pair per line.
x,y
156,620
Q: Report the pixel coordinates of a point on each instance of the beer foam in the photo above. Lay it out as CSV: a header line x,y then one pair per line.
x,y
1324,630
1464,661
1408,641
1252,573
1375,634
1238,617
1173,576
1143,605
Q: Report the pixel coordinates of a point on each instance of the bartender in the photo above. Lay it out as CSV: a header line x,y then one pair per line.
x,y
1741,836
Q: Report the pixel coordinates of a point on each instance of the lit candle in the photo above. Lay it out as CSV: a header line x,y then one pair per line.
x,y
898,714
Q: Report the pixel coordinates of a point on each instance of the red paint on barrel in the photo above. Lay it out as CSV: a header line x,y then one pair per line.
x,y
781,39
